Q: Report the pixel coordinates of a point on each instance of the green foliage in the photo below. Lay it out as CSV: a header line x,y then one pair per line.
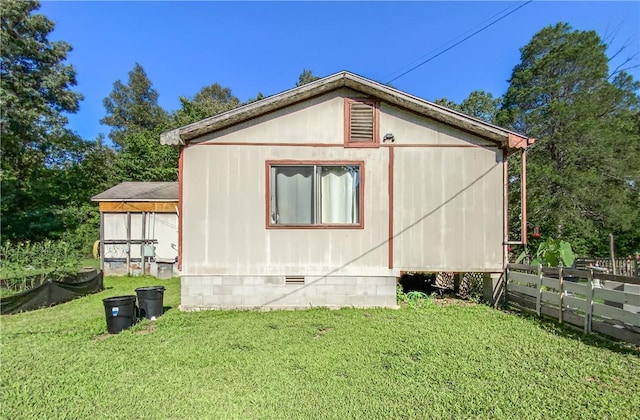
x,y
209,101
133,108
554,253
584,169
306,77
143,158
479,104
258,97
36,148
34,80
136,122
22,262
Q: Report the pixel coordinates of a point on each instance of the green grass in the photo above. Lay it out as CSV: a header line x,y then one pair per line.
x,y
455,360
90,262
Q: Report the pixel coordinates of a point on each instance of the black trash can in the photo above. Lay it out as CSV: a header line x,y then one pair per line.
x,y
150,301
121,313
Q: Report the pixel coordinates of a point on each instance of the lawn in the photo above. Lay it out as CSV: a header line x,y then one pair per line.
x,y
453,360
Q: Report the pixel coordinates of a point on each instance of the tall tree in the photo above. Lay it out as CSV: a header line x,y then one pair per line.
x,y
306,77
35,92
479,104
210,100
584,170
136,121
133,107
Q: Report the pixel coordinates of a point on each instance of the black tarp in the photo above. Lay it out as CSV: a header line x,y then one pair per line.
x,y
53,292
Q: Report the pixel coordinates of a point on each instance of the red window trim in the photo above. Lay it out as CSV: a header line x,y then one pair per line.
x,y
270,163
347,123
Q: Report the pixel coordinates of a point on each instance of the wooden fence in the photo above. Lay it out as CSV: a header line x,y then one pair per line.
x,y
589,299
629,266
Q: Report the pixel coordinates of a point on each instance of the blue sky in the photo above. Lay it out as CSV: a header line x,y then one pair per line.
x,y
254,47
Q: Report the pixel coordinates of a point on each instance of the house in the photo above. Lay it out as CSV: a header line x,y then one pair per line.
x,y
139,228
324,194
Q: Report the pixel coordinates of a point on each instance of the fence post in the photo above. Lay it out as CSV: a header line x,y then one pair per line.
x,y
539,284
589,308
506,285
561,280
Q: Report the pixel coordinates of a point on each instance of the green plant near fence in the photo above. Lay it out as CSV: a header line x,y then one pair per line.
x,y
26,264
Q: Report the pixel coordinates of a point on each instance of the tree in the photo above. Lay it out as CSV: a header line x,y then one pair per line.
x,y
35,92
306,77
210,100
133,107
584,169
143,158
258,97
479,104
136,121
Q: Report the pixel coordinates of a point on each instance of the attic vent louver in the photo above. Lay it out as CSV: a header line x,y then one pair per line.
x,y
361,122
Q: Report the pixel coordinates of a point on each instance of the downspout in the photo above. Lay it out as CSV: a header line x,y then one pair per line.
x,y
523,196
180,201
505,208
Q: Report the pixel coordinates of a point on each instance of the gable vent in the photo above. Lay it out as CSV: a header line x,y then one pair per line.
x,y
294,280
362,120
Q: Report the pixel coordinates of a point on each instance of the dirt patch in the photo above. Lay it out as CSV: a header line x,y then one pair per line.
x,y
148,329
322,331
448,301
103,337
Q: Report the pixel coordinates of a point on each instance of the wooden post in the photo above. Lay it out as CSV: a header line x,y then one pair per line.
x,y
457,280
506,285
588,311
539,296
143,259
128,243
561,280
102,241
613,255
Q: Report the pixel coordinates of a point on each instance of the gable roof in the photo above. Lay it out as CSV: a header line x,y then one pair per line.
x,y
503,137
140,191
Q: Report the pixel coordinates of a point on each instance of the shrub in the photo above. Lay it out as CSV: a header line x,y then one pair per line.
x,y
25,264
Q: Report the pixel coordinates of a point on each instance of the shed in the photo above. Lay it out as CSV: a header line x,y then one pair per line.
x,y
139,228
324,194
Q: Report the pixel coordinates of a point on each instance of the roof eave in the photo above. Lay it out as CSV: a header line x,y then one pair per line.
x,y
135,199
505,138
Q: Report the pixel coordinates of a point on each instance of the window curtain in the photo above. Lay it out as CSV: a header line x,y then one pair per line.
x,y
339,194
293,195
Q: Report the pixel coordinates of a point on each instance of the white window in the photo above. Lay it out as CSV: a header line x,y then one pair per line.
x,y
315,194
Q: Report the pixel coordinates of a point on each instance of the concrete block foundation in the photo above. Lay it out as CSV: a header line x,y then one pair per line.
x,y
273,292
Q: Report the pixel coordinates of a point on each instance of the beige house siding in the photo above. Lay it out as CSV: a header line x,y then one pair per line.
x,y
411,128
318,120
224,224
447,209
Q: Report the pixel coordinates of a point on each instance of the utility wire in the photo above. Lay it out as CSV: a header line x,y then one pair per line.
x,y
461,41
449,42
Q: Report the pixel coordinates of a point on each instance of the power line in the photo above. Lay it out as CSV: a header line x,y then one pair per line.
x,y
449,42
462,40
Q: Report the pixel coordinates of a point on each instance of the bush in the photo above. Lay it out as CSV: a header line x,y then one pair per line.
x,y
24,264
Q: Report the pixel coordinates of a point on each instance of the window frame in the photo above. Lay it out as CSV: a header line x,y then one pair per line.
x,y
348,102
271,163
